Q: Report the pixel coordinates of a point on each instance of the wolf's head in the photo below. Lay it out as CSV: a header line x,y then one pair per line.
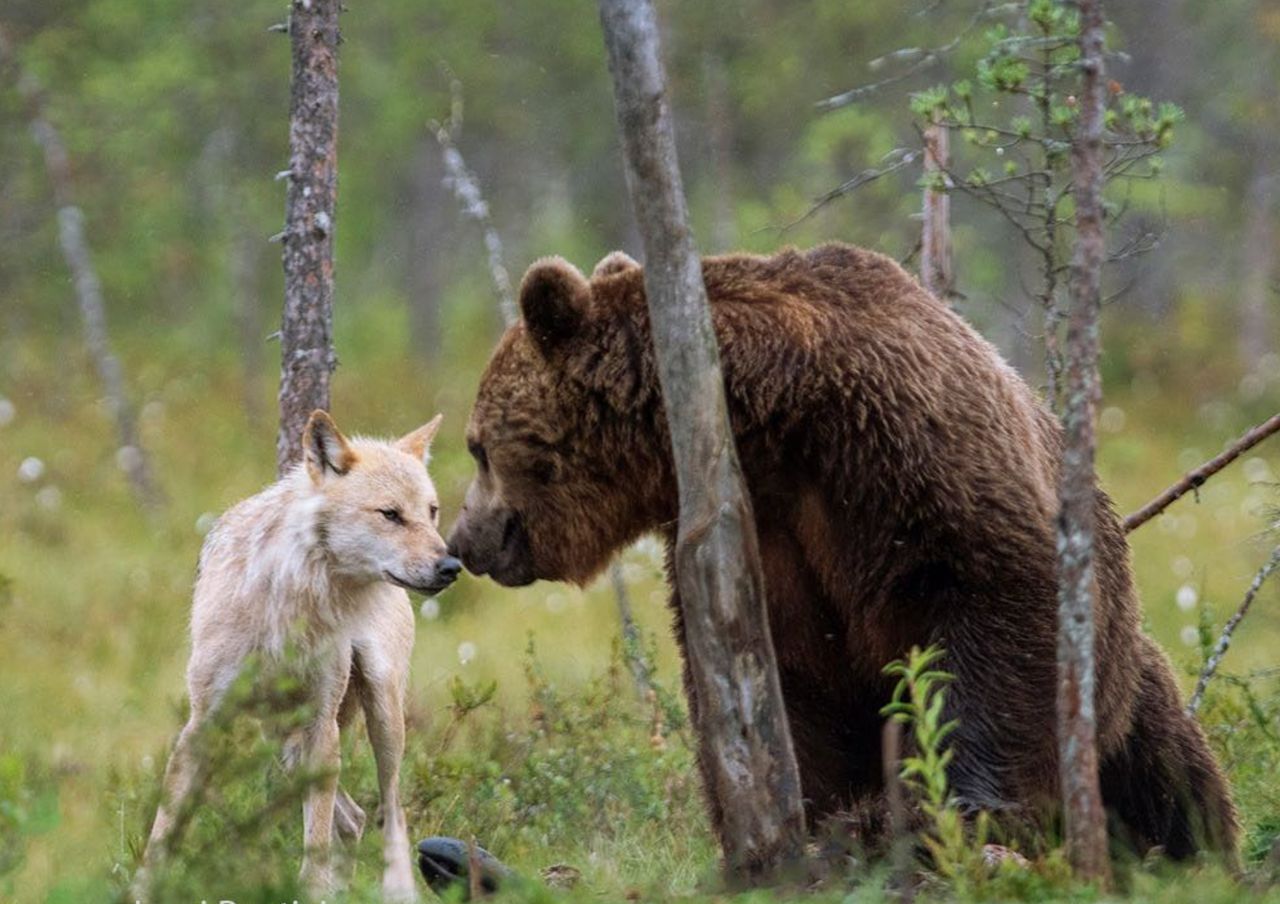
x,y
379,515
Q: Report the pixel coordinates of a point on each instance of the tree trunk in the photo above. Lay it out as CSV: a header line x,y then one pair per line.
x,y
1257,324
935,246
131,456
1085,821
306,331
742,725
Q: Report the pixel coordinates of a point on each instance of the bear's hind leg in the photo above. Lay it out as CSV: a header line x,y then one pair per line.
x,y
1164,787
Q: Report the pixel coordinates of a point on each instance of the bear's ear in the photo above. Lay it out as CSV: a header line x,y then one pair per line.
x,y
613,263
554,300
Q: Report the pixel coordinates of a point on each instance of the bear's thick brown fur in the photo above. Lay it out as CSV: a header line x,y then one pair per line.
x,y
903,480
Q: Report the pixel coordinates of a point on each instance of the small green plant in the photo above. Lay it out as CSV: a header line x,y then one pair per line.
x,y
919,701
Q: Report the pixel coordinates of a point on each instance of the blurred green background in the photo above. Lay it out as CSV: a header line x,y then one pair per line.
x,y
175,115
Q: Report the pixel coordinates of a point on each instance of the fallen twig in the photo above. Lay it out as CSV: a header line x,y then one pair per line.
x,y
1194,479
1220,649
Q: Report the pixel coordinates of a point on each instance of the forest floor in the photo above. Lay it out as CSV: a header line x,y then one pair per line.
x,y
525,731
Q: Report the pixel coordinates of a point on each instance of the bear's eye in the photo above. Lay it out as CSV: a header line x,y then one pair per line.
x,y
478,453
392,514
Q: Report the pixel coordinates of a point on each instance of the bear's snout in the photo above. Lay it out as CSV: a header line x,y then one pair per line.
x,y
494,543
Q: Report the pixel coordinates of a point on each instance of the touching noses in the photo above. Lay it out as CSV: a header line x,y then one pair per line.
x,y
447,569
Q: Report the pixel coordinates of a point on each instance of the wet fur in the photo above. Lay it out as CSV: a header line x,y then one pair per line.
x,y
904,483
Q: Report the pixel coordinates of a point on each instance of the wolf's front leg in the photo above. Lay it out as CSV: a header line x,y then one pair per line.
x,y
321,759
384,715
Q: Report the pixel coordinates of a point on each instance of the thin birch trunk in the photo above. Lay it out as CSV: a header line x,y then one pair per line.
x,y
130,455
307,358
1085,820
742,726
935,246
466,188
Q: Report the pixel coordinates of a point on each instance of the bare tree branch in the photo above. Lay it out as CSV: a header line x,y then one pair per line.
x,y
131,456
1195,478
1220,648
921,59
466,188
898,157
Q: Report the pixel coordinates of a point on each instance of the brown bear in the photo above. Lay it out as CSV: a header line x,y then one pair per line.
x,y
903,480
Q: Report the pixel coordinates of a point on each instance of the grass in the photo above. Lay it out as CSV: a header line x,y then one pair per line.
x,y
560,762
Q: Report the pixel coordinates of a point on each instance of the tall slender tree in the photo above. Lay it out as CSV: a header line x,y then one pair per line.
x,y
131,456
736,698
1085,821
307,358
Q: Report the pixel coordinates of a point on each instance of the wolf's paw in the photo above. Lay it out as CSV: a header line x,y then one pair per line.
x,y
319,879
398,886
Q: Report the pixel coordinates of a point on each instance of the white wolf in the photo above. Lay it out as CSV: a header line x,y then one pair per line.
x,y
309,565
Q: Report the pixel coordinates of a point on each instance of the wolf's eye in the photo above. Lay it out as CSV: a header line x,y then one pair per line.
x,y
435,512
392,515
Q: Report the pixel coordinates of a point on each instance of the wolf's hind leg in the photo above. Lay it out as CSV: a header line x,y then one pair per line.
x,y
181,777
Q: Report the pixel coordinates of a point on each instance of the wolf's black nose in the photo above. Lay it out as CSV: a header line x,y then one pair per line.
x,y
447,568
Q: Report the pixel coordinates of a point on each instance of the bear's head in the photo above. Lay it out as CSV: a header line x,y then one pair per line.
x,y
567,432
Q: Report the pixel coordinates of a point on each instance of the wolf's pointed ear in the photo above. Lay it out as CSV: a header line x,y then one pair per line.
x,y
418,443
554,300
324,448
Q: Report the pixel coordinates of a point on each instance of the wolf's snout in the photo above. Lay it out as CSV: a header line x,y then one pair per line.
x,y
448,568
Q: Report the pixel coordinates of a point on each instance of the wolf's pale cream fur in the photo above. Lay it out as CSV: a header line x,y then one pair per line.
x,y
308,566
